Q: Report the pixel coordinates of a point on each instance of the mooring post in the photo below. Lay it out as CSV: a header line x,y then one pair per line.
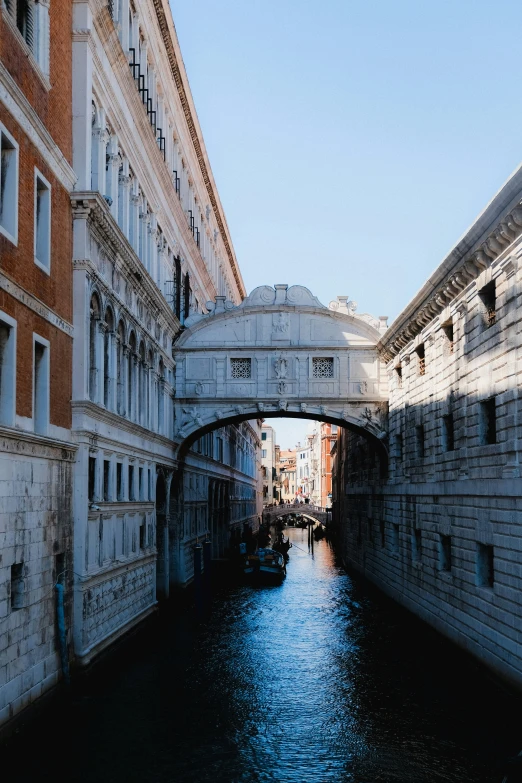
x,y
207,551
197,577
312,536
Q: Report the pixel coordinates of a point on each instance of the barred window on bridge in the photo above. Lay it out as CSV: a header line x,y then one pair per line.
x,y
241,368
323,367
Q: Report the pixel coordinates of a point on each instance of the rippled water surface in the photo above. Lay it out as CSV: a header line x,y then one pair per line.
x,y
314,680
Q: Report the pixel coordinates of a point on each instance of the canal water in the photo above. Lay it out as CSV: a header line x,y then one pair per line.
x,y
315,680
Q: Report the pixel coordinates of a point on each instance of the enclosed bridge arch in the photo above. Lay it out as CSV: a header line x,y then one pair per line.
x,y
279,353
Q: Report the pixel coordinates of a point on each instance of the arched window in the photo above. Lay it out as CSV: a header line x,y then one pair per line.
x,y
120,364
107,358
95,311
130,376
142,399
161,381
149,413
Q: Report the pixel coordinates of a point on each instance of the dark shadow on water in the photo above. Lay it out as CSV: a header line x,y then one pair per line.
x,y
320,679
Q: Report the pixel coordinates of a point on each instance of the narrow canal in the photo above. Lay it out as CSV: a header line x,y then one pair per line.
x,y
314,680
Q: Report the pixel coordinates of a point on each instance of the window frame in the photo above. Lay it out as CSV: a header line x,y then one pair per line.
x,y
8,417
12,237
39,340
39,263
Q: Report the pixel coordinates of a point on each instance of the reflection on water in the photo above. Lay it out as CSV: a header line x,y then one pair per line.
x,y
312,680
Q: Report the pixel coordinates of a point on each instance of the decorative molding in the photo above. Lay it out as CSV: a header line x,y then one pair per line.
x,y
29,444
201,156
30,123
35,305
445,288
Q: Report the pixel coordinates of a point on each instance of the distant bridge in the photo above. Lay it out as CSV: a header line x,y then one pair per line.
x,y
270,513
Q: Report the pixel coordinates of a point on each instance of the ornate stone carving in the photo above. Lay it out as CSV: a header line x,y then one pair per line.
x,y
280,323
282,405
281,367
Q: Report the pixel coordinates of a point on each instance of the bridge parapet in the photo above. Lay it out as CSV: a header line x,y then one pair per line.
x,y
270,513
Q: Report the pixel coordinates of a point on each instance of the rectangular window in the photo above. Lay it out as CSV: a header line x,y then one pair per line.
x,y
17,586
7,370
8,186
445,553
263,436
264,452
488,421
143,530
448,433
416,544
41,386
149,484
395,538
42,222
140,484
106,479
449,344
119,481
131,482
398,375
398,447
484,566
322,367
219,442
92,478
422,359
241,368
487,296
419,438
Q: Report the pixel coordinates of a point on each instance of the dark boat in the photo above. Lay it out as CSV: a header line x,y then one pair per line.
x,y
265,565
282,545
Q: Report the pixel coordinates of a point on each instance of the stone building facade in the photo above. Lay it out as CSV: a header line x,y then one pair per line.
x,y
151,248
269,463
36,452
440,527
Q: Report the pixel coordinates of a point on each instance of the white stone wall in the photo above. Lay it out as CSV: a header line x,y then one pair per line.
x,y
35,533
443,534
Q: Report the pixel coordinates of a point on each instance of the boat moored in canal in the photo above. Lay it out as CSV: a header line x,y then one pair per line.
x,y
265,565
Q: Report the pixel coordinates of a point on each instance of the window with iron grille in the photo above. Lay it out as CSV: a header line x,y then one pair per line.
x,y
322,367
398,375
241,368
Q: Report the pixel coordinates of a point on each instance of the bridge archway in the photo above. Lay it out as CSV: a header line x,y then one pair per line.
x,y
280,353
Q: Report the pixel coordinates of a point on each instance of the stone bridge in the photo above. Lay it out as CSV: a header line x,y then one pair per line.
x,y
270,513
279,353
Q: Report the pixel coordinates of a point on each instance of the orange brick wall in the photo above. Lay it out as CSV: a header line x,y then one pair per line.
x,y
54,107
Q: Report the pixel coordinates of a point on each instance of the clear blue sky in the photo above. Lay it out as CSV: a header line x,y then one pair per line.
x,y
354,141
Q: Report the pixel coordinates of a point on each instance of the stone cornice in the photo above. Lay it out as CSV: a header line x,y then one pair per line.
x,y
89,205
195,133
494,231
23,113
34,304
29,444
89,408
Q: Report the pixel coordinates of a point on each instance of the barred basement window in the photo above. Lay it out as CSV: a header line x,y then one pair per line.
x,y
241,368
323,367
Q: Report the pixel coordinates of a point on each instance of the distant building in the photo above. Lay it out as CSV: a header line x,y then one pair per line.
x,y
287,475
269,463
